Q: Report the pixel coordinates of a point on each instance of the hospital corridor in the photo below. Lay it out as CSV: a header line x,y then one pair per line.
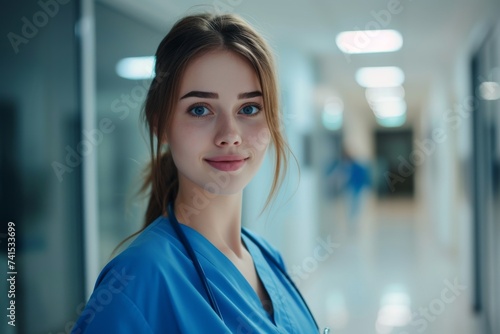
x,y
387,220
395,279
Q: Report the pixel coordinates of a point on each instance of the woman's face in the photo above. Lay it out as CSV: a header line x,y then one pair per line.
x,y
219,134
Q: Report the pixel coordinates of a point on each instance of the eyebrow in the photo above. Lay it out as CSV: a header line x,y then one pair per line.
x,y
210,95
249,95
196,93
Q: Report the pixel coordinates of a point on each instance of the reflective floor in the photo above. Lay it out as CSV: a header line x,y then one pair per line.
x,y
390,273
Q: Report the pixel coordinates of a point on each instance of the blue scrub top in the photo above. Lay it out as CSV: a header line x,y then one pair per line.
x,y
153,287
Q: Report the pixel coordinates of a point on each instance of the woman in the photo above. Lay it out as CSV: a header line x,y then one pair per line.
x,y
212,111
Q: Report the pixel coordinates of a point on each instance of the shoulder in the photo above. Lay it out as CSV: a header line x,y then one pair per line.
x,y
152,242
152,265
155,252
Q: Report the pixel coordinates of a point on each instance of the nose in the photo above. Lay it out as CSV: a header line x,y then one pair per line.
x,y
228,133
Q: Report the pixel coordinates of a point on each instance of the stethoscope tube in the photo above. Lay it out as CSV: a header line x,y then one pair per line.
x,y
185,242
187,245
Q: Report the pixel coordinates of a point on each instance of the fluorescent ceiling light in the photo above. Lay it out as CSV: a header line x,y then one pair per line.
x,y
369,41
136,68
392,122
385,76
382,94
332,115
388,109
489,90
332,122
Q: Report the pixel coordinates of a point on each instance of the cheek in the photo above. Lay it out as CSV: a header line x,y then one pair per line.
x,y
263,135
258,140
184,134
187,142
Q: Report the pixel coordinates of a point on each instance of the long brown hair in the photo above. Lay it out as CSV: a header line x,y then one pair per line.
x,y
191,37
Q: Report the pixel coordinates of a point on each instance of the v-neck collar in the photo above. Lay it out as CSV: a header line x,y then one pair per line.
x,y
204,248
265,276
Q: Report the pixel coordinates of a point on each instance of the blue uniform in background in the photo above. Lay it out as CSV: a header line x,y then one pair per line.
x,y
153,287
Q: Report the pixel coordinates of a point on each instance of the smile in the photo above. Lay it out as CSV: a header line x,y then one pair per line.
x,y
227,166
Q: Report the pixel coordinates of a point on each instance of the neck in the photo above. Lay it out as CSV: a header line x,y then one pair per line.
x,y
217,218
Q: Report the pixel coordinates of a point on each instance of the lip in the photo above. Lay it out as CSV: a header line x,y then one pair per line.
x,y
227,163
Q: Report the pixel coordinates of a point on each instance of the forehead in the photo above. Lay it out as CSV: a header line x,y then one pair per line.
x,y
222,72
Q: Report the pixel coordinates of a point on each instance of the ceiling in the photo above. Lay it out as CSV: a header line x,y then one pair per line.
x,y
433,32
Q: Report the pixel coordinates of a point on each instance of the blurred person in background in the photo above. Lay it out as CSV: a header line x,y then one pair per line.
x,y
348,177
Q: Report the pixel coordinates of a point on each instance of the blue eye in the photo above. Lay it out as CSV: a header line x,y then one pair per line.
x,y
199,111
250,110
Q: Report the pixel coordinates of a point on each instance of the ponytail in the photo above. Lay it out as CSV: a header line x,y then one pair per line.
x,y
163,184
